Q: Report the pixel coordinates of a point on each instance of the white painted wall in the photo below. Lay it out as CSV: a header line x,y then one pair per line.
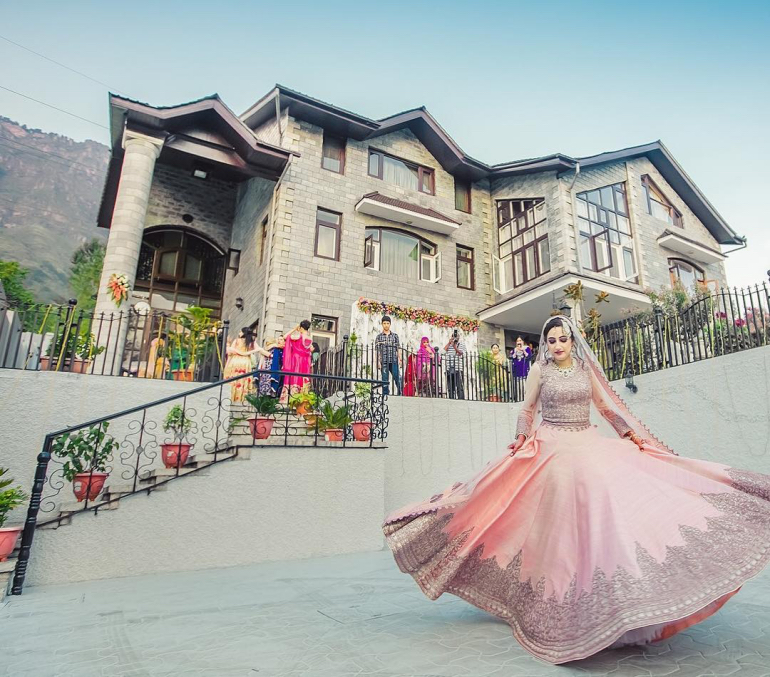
x,y
291,503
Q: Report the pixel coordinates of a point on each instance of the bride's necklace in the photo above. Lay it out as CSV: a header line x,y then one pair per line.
x,y
565,371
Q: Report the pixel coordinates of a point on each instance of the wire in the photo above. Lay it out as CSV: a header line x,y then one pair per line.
x,y
61,110
58,63
4,139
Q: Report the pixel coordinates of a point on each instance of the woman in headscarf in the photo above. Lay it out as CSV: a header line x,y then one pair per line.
x,y
425,368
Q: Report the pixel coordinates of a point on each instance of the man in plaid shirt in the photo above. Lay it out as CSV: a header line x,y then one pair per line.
x,y
387,347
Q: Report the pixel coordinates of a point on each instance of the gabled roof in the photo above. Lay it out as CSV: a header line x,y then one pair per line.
x,y
679,180
345,123
200,131
442,146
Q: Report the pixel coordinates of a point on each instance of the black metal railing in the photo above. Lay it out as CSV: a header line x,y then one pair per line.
x,y
142,448
470,376
150,344
718,323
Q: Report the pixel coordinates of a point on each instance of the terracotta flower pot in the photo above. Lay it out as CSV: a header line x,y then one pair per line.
x,y
302,408
175,455
182,374
334,435
311,420
494,398
362,431
90,483
8,538
80,366
45,364
261,427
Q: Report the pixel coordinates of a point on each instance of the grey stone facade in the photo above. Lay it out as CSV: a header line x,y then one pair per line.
x,y
281,281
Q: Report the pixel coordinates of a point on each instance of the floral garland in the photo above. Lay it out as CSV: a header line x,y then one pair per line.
x,y
119,288
417,315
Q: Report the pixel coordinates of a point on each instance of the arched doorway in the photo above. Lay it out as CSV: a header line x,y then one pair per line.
x,y
179,268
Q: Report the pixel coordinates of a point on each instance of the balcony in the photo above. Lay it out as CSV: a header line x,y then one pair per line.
x,y
689,248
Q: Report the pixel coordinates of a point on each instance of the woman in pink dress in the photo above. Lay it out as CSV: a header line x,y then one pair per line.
x,y
297,359
582,542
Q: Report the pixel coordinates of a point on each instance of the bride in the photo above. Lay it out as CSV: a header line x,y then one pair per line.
x,y
581,542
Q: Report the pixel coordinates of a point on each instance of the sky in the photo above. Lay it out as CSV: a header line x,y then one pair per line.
x,y
507,80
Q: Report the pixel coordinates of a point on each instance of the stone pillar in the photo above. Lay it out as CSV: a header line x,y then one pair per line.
x,y
124,243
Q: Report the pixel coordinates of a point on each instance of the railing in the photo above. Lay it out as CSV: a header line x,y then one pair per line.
x,y
471,376
719,323
143,448
150,344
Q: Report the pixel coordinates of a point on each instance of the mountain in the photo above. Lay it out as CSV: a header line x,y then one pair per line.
x,y
50,188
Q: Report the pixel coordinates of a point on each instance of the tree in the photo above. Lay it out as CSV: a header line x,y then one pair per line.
x,y
12,276
87,262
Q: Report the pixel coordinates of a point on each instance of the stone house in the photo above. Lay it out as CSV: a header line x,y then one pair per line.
x,y
298,208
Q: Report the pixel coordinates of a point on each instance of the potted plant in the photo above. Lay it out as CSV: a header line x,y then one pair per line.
x,y
85,351
175,455
362,425
86,454
10,498
489,372
188,343
333,421
266,408
304,402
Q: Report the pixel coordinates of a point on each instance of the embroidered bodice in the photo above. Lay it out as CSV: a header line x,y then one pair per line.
x,y
564,398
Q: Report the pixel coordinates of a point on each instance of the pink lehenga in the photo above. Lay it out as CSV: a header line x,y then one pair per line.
x,y
582,542
297,359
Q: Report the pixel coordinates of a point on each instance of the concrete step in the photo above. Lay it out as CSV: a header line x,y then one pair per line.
x,y
7,569
246,442
77,506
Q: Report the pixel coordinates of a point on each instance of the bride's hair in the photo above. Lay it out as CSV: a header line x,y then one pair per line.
x,y
555,322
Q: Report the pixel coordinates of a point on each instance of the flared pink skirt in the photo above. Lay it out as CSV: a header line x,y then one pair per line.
x,y
582,542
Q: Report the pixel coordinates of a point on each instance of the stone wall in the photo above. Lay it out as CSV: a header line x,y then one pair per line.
x,y
305,285
211,203
252,208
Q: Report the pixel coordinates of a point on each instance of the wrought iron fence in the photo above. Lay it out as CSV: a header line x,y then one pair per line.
x,y
470,376
720,323
93,465
150,344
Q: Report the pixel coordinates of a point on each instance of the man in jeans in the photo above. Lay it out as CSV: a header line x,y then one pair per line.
x,y
454,361
387,347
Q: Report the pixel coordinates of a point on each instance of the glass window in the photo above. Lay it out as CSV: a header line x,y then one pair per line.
x,y
465,274
462,195
522,230
603,230
333,157
400,172
167,264
685,273
659,206
328,232
401,254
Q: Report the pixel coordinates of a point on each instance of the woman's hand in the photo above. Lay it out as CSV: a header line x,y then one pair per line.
x,y
518,444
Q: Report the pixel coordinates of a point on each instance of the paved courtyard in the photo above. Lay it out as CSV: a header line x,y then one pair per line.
x,y
332,617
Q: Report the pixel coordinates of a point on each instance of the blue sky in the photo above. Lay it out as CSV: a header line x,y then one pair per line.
x,y
507,80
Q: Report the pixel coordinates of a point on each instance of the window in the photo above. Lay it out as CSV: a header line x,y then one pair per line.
x,y
686,273
177,269
606,245
333,157
323,330
522,236
462,195
327,234
659,206
263,241
400,172
465,274
398,253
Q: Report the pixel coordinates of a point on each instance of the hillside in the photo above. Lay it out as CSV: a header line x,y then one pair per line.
x,y
50,187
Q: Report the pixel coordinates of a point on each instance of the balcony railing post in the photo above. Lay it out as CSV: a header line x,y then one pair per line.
x,y
31,522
